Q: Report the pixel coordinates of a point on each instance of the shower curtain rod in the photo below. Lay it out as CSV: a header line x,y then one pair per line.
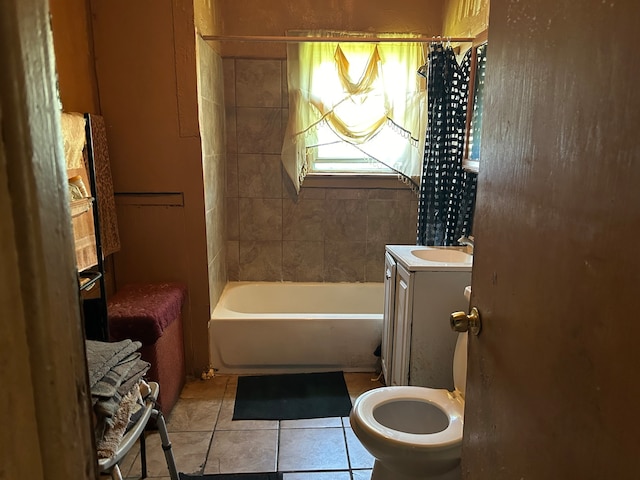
x,y
285,39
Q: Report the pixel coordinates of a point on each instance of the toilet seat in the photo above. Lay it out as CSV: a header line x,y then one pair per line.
x,y
451,404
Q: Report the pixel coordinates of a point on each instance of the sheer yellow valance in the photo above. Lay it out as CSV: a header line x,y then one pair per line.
x,y
365,94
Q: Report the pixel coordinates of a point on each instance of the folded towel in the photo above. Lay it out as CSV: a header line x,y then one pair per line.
x,y
103,356
114,370
134,376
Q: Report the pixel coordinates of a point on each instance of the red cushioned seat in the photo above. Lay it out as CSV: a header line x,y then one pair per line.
x,y
152,315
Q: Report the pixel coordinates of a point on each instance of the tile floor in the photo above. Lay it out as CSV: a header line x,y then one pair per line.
x,y
206,440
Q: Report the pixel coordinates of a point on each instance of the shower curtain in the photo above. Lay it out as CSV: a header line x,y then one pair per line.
x,y
447,193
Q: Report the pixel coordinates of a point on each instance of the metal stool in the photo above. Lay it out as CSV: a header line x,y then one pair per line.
x,y
109,466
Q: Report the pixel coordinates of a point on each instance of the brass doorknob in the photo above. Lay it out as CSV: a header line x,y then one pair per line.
x,y
461,322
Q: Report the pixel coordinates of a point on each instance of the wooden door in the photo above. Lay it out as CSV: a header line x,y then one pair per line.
x,y
44,390
552,386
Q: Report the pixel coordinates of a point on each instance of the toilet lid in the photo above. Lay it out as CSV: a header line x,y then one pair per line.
x,y
460,363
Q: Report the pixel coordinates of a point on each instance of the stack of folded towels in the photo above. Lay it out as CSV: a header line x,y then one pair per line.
x,y
117,390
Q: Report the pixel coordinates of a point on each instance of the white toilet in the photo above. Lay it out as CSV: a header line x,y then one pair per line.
x,y
414,433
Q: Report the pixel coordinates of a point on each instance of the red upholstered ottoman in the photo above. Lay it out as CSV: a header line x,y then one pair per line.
x,y
152,315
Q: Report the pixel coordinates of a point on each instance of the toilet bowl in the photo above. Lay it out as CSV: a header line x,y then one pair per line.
x,y
414,433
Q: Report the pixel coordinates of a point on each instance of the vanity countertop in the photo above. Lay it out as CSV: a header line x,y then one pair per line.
x,y
416,258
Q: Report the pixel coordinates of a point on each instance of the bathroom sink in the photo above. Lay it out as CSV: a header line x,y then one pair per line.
x,y
442,255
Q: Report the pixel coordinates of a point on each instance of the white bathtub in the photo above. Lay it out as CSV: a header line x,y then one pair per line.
x,y
273,327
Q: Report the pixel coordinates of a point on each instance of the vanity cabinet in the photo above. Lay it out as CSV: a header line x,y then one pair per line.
x,y
417,341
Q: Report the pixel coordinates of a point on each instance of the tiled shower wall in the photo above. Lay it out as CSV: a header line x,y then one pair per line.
x,y
212,124
324,234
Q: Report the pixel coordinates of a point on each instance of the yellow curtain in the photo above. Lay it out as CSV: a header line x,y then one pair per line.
x,y
367,94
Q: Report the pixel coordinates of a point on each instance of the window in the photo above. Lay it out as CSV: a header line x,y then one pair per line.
x,y
334,155
354,107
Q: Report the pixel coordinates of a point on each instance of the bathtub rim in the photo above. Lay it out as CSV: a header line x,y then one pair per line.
x,y
221,312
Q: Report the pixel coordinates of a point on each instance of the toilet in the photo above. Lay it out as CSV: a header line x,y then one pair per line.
x,y
414,433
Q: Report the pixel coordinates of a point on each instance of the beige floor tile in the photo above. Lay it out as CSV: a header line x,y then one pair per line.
x,y
129,460
317,476
361,474
243,452
208,389
137,477
312,449
359,457
194,415
358,383
189,451
312,423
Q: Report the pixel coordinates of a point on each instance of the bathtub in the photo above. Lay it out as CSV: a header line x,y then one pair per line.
x,y
273,327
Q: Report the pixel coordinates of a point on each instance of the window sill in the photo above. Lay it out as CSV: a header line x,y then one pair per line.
x,y
354,180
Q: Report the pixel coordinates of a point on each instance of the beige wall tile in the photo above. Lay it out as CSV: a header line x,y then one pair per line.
x,y
260,261
212,129
233,221
231,129
218,130
304,220
387,221
347,193
260,219
259,176
284,84
316,193
345,220
232,176
303,261
259,130
233,260
217,278
213,171
382,194
344,261
229,75
258,83
374,261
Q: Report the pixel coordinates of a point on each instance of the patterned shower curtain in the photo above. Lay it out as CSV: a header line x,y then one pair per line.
x,y
447,193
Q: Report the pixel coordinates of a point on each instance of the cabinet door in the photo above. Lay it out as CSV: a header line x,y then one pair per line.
x,y
389,306
402,327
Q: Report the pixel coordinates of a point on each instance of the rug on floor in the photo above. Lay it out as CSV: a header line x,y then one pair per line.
x,y
233,476
292,396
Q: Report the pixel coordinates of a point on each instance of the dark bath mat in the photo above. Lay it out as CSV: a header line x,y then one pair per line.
x,y
292,396
233,476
